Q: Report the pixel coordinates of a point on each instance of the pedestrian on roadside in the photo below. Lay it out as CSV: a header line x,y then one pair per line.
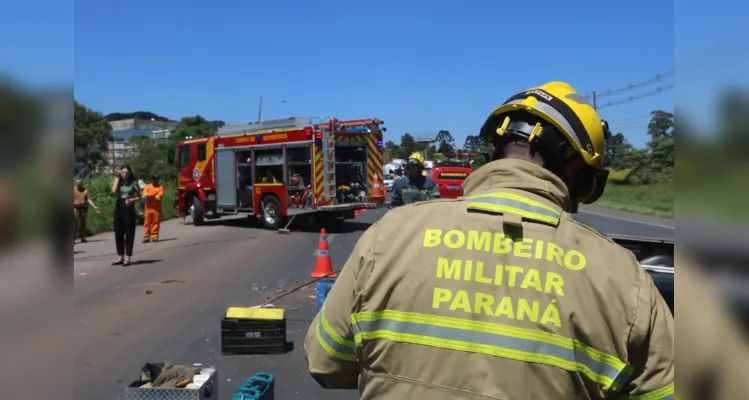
x,y
127,194
142,203
81,201
152,194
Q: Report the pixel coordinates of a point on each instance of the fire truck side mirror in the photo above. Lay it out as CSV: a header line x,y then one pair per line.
x,y
170,156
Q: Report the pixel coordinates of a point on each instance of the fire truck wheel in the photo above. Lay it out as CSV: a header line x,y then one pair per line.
x,y
198,216
272,217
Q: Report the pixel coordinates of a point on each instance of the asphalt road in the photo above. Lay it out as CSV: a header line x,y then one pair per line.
x,y
167,306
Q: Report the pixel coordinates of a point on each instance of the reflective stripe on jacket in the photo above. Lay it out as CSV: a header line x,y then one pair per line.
x,y
497,295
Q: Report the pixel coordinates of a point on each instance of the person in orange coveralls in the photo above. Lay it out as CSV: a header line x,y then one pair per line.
x,y
153,193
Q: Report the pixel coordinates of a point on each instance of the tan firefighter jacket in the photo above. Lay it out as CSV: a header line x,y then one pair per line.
x,y
499,294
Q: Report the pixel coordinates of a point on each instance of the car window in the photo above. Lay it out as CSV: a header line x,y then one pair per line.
x,y
388,177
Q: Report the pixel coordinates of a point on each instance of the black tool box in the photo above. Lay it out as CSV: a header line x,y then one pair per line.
x,y
253,331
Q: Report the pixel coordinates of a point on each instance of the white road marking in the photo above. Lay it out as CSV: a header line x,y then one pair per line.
x,y
330,237
626,219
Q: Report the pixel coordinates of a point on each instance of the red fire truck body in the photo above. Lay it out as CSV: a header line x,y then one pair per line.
x,y
450,174
280,168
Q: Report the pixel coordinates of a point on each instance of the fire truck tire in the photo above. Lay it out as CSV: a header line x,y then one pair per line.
x,y
198,215
272,218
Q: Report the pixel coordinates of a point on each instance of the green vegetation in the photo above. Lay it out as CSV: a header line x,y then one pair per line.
x,y
652,199
92,135
100,188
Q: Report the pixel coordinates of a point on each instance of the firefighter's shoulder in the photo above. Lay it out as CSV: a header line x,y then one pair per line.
x,y
407,211
604,245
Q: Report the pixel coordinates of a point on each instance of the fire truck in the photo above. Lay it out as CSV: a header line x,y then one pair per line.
x,y
276,169
450,174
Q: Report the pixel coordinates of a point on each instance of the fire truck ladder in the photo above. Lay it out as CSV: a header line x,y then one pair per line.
x,y
328,153
327,129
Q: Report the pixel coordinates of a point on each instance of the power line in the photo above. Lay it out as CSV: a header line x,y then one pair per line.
x,y
632,86
631,119
633,98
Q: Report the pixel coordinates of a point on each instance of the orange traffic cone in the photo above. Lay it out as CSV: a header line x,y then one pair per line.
x,y
357,212
376,195
323,266
323,232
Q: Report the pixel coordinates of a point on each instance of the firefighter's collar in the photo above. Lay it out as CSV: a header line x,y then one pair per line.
x,y
520,175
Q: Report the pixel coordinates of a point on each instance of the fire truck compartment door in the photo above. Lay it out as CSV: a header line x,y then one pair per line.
x,y
226,184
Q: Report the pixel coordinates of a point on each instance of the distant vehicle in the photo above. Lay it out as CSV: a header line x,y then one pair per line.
x,y
449,177
389,182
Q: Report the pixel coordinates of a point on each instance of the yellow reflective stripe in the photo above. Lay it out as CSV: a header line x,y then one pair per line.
x,y
333,334
666,392
492,339
511,203
333,343
522,199
512,210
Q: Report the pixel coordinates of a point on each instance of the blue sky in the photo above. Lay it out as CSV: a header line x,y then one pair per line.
x,y
419,66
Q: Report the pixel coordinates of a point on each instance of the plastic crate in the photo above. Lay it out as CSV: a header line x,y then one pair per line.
x,y
260,386
253,331
322,288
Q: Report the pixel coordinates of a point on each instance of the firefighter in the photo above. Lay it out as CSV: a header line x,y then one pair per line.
x,y
142,205
153,193
501,293
81,201
416,186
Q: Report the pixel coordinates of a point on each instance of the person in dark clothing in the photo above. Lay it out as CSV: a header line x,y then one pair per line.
x,y
415,186
127,195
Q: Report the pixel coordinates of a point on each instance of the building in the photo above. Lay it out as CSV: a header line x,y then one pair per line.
x,y
124,130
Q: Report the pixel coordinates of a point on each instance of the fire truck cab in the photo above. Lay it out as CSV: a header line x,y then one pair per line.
x,y
276,169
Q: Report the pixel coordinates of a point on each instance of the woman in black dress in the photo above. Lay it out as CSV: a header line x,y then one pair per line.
x,y
127,195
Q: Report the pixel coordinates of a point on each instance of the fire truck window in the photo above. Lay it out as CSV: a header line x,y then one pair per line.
x,y
299,154
243,157
350,154
300,167
184,156
269,166
201,152
269,174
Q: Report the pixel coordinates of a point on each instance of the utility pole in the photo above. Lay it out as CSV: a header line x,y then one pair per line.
x,y
594,101
260,110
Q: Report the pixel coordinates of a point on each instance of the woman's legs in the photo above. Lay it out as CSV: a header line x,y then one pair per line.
x,y
119,230
129,230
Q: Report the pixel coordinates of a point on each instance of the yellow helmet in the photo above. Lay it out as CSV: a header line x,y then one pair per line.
x,y
416,157
550,115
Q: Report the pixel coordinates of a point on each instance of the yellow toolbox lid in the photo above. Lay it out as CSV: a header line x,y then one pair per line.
x,y
255,313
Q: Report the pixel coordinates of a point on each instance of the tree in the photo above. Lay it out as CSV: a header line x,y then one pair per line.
x,y
661,145
392,150
196,126
147,115
150,157
655,163
473,143
91,137
445,142
408,145
617,148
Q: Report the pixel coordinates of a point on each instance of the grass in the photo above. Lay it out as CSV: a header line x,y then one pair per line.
x,y
655,199
100,188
